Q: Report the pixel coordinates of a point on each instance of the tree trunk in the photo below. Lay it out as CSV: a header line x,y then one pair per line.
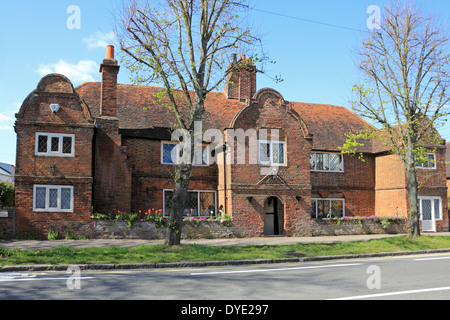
x,y
178,204
183,174
412,188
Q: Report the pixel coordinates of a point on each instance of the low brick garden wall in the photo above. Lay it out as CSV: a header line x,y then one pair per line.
x,y
358,226
216,230
7,222
150,231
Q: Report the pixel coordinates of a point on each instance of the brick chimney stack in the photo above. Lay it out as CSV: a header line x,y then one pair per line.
x,y
241,81
109,69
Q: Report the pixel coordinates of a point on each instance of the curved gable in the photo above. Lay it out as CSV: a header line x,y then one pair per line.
x,y
262,107
58,90
55,83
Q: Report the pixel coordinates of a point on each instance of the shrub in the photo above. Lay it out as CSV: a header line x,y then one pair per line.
x,y
7,193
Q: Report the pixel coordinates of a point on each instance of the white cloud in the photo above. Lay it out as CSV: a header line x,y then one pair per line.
x,y
83,71
4,128
100,40
5,118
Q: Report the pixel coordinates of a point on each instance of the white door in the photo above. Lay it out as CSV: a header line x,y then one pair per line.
x,y
430,209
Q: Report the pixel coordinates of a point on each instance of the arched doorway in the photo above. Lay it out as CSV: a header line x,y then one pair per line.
x,y
274,216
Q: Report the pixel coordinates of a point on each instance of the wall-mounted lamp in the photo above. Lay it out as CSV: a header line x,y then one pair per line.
x,y
250,199
54,107
53,168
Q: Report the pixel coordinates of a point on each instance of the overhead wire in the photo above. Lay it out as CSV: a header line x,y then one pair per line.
x,y
306,20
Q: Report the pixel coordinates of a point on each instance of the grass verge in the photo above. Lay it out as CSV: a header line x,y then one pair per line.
x,y
162,253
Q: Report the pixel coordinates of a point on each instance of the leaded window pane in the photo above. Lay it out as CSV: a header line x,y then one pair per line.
x,y
192,205
337,208
167,201
313,209
207,204
67,145
66,198
278,153
55,144
264,153
335,162
53,198
169,154
426,209
437,209
41,194
431,160
42,144
312,160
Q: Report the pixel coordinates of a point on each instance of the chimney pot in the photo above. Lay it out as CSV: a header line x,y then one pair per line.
x,y
110,52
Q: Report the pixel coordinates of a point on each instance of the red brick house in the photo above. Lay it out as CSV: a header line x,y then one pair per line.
x,y
106,146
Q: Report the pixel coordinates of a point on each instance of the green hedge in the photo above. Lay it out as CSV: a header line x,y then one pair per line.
x,y
7,193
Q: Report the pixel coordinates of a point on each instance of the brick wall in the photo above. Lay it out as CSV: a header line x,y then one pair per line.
x,y
291,185
391,196
112,182
150,177
6,223
356,185
72,118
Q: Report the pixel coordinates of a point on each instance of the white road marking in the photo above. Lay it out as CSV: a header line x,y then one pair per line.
x,y
428,259
277,269
26,277
397,293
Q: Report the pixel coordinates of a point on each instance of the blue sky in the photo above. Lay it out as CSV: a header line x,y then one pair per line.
x,y
313,58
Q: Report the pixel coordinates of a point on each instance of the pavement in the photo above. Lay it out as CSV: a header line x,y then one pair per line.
x,y
271,241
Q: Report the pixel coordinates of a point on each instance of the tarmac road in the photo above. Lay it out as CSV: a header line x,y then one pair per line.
x,y
417,277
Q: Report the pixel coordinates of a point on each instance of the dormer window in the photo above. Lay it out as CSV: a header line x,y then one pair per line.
x,y
55,145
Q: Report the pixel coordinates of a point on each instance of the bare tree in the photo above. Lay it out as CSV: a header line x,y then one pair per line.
x,y
404,67
185,46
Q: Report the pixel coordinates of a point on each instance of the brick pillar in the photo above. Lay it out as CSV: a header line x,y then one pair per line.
x,y
109,69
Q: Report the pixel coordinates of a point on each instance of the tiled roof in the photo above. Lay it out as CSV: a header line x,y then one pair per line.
x,y
132,99
329,124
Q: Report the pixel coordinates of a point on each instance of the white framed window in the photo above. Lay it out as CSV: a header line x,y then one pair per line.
x,y
55,144
271,153
429,163
171,155
327,208
200,203
48,198
329,162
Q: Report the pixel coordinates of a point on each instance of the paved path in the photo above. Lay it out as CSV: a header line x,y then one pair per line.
x,y
99,243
